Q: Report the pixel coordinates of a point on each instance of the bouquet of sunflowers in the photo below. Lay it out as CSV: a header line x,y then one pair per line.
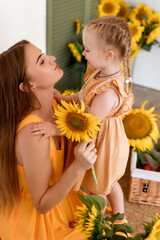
x,y
144,24
92,223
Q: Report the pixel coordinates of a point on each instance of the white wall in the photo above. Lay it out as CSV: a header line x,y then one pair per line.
x,y
154,4
22,19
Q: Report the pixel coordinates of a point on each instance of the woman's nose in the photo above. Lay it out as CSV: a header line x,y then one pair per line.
x,y
83,53
52,59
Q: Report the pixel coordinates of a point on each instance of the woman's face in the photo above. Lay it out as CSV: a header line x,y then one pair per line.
x,y
42,69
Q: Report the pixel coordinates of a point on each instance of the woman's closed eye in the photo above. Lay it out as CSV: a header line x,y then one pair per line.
x,y
42,60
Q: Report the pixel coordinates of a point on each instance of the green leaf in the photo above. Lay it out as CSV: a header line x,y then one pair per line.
x,y
140,157
118,237
157,147
97,201
115,217
154,156
130,227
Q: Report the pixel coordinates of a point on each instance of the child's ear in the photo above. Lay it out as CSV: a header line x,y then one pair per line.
x,y
109,55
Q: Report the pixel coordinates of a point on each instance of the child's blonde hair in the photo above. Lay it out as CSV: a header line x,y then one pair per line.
x,y
116,32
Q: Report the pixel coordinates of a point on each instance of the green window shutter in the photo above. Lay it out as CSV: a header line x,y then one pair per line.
x,y
61,30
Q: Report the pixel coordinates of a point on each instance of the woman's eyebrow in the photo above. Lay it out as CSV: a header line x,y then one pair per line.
x,y
39,58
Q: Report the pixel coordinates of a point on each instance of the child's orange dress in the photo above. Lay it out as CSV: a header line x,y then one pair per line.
x,y
111,143
25,223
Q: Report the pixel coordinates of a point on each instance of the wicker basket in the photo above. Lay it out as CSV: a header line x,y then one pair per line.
x,y
144,184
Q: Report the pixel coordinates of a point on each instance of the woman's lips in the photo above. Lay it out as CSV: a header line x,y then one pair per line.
x,y
56,67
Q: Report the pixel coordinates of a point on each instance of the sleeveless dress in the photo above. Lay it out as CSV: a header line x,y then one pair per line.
x,y
24,222
111,143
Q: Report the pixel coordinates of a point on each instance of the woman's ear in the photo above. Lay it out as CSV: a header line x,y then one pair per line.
x,y
21,87
109,55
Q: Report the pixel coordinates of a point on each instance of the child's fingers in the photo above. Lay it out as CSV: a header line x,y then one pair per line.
x,y
42,138
37,132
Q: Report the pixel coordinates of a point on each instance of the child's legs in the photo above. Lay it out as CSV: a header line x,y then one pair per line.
x,y
116,199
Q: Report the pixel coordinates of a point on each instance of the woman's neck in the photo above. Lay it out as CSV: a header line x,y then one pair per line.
x,y
46,99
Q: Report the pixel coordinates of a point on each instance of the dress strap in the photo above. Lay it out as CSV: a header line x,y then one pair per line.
x,y
102,83
93,74
29,119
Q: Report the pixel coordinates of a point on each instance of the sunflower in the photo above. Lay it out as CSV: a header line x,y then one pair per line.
x,y
136,31
142,14
141,128
153,34
155,18
155,233
134,54
134,46
75,123
108,7
75,52
68,92
124,10
78,25
86,221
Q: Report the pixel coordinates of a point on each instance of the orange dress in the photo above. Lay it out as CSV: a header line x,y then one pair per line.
x,y
111,143
24,222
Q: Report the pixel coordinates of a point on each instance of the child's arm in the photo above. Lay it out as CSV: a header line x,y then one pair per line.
x,y
44,129
58,96
103,103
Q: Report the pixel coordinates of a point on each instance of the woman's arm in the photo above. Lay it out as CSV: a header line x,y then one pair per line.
x,y
37,167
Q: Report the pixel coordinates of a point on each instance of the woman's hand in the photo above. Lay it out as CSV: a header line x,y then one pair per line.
x,y
44,129
85,155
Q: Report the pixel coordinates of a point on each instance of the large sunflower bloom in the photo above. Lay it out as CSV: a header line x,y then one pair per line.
x,y
153,34
142,14
136,31
86,221
141,128
75,123
124,10
108,7
155,233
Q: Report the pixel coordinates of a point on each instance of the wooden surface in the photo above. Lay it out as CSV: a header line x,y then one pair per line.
x,y
136,213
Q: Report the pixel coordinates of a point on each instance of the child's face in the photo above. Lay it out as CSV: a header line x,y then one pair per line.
x,y
93,51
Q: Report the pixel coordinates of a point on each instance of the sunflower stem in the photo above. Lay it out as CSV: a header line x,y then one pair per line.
x,y
155,157
94,175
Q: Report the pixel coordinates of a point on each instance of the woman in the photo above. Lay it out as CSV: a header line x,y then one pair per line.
x,y
36,201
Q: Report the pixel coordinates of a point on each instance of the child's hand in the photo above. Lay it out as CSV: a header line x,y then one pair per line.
x,y
58,96
45,129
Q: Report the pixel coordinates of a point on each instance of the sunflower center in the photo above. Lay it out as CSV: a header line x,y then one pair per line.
x,y
141,15
108,8
137,126
134,31
76,122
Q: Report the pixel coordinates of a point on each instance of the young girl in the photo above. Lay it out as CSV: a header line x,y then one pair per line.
x,y
107,43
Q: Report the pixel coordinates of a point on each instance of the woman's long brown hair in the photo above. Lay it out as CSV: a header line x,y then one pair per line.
x,y
14,106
